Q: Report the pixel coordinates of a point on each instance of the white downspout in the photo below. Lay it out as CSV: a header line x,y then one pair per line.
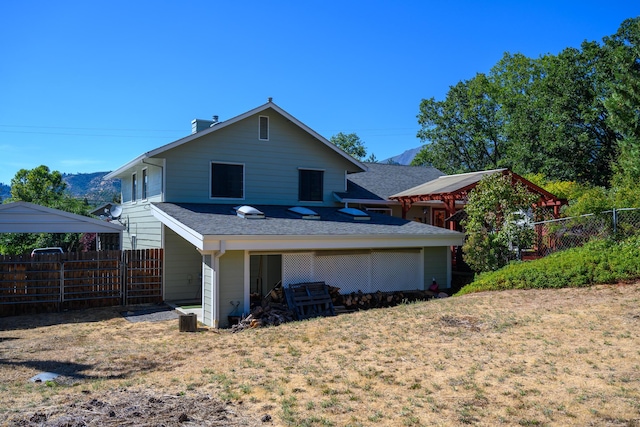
x,y
215,292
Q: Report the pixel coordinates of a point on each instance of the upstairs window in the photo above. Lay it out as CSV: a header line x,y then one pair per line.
x,y
310,185
134,186
145,184
264,128
227,180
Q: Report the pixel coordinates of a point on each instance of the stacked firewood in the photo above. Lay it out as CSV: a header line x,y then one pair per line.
x,y
266,314
273,309
361,301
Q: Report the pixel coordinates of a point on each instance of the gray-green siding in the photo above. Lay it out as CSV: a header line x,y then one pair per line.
x,y
270,167
182,269
142,224
207,273
437,264
231,288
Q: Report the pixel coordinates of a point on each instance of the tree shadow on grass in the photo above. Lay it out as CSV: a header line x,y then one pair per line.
x,y
88,315
77,371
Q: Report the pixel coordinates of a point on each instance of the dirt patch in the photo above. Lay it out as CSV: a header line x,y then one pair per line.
x,y
139,409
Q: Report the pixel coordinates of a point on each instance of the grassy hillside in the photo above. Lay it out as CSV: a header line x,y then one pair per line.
x,y
597,262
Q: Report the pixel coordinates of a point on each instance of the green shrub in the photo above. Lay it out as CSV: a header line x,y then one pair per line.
x,y
602,261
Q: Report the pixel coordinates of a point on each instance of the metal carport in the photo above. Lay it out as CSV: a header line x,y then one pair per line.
x,y
25,217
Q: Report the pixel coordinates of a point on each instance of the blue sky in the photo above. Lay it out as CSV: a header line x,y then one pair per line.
x,y
86,86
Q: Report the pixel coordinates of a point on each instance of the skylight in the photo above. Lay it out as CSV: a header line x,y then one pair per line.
x,y
249,212
356,214
305,213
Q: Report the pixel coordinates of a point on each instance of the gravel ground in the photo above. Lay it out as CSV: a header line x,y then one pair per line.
x,y
150,314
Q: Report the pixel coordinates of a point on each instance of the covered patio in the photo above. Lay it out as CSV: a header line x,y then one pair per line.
x,y
453,190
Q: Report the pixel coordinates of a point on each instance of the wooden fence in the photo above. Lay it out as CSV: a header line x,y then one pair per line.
x,y
54,282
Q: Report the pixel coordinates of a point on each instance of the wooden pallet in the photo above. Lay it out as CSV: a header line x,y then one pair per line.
x,y
309,300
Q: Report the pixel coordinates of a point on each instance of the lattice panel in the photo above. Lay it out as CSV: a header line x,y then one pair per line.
x,y
379,271
297,268
350,273
396,271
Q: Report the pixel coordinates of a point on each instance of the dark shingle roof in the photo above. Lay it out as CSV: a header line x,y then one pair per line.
x,y
384,180
213,219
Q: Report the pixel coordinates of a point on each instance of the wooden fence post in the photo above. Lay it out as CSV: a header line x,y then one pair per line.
x,y
123,276
61,264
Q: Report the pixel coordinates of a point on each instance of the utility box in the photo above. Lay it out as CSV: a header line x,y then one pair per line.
x,y
188,322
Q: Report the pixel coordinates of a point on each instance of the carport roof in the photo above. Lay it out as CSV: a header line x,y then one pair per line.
x,y
25,217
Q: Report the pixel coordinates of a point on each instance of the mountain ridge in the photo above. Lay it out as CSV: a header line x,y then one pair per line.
x,y
91,186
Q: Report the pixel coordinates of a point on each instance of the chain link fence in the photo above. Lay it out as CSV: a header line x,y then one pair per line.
x,y
565,233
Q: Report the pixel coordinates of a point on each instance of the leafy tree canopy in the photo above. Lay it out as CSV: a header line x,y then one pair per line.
x,y
353,145
39,185
463,130
574,117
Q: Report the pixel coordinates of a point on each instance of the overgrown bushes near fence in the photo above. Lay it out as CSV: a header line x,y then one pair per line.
x,y
598,261
564,233
51,282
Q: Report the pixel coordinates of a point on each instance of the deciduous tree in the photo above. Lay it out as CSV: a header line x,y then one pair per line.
x,y
496,224
350,143
464,132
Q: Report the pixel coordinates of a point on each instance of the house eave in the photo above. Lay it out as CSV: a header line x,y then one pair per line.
x,y
213,243
185,232
368,201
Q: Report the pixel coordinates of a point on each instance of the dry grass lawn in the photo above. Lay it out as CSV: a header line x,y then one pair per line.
x,y
536,357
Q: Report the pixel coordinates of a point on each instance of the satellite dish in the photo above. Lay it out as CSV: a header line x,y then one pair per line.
x,y
115,211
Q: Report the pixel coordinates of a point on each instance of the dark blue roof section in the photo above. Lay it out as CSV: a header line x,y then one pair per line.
x,y
384,180
214,219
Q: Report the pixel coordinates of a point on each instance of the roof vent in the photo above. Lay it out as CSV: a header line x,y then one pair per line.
x,y
356,214
305,213
248,212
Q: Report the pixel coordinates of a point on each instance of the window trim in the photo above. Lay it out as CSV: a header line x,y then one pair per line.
x,y
145,184
260,128
300,199
211,163
134,187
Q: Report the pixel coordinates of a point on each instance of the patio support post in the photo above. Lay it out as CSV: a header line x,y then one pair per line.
x,y
450,209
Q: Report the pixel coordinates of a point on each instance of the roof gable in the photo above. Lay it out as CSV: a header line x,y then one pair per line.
x,y
359,166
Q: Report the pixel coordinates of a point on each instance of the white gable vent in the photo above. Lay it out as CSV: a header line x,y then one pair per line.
x,y
305,213
249,212
356,214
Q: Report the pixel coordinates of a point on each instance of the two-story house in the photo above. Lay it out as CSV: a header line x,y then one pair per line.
x,y
244,204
